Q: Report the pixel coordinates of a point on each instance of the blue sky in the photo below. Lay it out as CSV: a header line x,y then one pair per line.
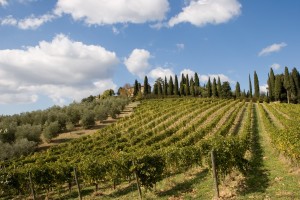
x,y
54,52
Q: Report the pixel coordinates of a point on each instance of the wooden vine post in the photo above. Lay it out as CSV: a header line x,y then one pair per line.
x,y
31,187
77,183
214,174
137,181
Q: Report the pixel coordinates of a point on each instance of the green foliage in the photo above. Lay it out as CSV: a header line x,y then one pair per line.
x,y
7,131
171,86
279,90
51,130
176,88
226,90
88,119
146,84
256,86
271,85
89,99
30,132
149,169
237,90
219,87
135,88
250,87
214,88
107,93
209,88
155,143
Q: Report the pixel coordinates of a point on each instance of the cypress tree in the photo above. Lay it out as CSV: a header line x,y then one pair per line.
x,y
226,90
192,84
182,85
171,86
214,88
208,86
237,90
278,88
146,86
219,88
159,88
187,85
165,87
250,87
176,91
287,83
135,88
244,94
293,89
256,86
155,89
271,84
296,80
197,82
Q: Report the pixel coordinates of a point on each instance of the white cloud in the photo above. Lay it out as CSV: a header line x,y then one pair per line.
x,y
27,1
31,22
204,78
115,30
272,48
9,20
102,12
203,12
263,88
61,69
138,62
191,73
160,72
17,98
3,2
275,66
158,25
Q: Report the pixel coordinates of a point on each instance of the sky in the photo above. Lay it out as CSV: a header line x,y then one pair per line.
x,y
59,51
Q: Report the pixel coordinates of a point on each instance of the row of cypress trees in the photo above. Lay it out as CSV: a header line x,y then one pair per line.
x,y
186,87
284,87
281,87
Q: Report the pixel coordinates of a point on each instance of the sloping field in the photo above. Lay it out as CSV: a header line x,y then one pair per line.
x,y
165,146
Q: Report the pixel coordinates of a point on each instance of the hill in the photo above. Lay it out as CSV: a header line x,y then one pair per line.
x,y
165,146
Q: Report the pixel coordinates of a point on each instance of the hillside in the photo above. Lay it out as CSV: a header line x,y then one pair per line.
x,y
166,144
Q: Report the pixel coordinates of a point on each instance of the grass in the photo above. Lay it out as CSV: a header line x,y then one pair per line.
x,y
270,177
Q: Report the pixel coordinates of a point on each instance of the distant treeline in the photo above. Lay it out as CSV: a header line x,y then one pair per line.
x,y
281,87
21,133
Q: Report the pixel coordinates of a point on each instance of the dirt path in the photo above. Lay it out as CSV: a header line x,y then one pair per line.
x,y
270,177
79,132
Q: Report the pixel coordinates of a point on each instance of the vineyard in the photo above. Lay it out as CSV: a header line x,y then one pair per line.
x,y
162,138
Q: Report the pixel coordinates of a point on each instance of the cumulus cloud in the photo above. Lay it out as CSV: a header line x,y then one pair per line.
x,y
3,2
272,48
191,73
160,72
138,62
31,22
203,12
275,66
61,69
204,78
263,88
102,12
